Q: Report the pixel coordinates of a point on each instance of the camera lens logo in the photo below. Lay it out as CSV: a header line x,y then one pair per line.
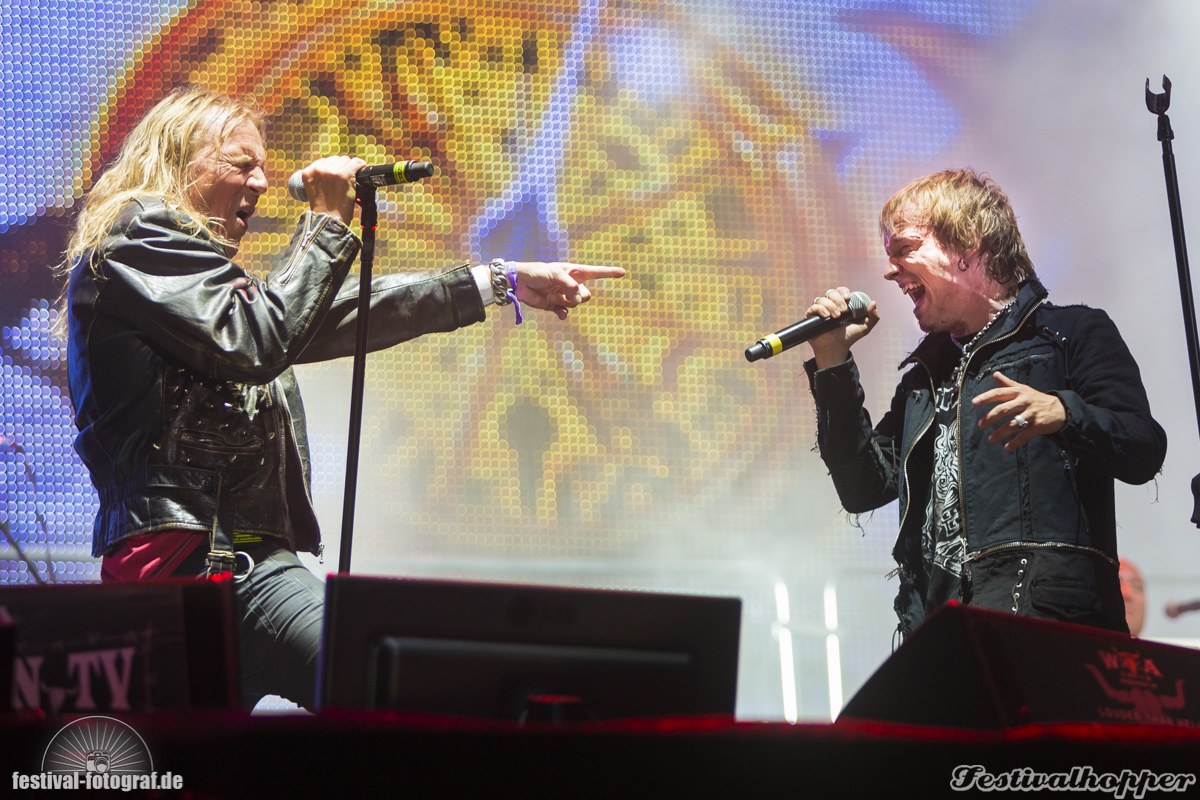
x,y
97,762
98,746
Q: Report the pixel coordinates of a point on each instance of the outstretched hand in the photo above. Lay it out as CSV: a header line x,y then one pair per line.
x,y
1021,412
557,286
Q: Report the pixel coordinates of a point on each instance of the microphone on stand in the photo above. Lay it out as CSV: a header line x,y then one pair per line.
x,y
377,175
1175,608
775,343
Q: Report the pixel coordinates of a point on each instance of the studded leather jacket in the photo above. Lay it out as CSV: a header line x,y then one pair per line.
x,y
1040,523
180,370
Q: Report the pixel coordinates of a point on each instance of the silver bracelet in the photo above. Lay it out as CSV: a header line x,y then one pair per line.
x,y
500,285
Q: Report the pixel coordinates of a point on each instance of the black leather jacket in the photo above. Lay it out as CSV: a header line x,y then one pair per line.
x,y
1040,523
180,369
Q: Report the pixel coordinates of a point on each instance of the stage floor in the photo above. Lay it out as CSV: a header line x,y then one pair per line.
x,y
237,755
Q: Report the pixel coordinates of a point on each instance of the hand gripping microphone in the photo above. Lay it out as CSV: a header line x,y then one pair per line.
x,y
775,343
378,175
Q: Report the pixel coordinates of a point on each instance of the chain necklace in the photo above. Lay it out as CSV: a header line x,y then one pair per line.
x,y
969,347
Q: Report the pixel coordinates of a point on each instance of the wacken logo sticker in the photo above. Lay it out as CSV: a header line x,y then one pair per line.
x,y
1140,690
97,753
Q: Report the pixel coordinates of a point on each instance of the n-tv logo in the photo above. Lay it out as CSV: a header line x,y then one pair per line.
x,y
84,680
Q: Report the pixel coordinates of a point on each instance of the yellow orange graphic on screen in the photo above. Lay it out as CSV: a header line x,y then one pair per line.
x,y
614,134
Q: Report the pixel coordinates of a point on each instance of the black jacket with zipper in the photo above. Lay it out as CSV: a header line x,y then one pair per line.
x,y
180,369
1040,523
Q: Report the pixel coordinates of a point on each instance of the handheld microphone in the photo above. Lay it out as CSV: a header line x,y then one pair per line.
x,y
377,175
775,343
1175,608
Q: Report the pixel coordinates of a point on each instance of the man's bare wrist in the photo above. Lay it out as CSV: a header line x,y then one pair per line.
x,y
830,358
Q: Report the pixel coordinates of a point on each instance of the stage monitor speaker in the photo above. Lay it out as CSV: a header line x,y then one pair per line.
x,y
973,668
522,653
138,647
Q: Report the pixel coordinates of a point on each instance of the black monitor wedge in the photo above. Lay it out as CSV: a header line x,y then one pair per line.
x,y
510,652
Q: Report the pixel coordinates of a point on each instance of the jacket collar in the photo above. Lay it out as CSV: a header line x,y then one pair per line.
x,y
937,346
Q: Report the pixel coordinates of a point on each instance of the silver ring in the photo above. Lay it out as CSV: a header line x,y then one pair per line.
x,y
238,577
1021,422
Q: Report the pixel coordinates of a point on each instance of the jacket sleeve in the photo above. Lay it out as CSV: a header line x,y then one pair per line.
x,y
862,460
1109,426
402,308
188,298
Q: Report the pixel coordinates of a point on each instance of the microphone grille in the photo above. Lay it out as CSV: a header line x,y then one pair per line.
x,y
295,187
858,303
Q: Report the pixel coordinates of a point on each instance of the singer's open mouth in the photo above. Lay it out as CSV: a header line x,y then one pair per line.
x,y
916,293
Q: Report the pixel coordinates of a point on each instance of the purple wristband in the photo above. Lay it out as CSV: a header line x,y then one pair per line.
x,y
512,295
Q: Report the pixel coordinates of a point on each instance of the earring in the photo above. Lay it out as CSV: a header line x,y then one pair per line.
x,y
962,265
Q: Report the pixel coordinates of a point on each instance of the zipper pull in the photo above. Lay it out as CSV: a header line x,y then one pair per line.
x,y
321,553
250,400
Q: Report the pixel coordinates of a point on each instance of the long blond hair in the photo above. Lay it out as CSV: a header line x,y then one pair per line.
x,y
156,159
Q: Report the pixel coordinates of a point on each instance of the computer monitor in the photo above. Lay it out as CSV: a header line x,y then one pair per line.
x,y
494,651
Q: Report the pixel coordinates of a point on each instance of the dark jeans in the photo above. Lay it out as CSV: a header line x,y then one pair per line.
x,y
279,613
1051,583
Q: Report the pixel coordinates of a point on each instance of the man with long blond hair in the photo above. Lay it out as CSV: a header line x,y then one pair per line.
x,y
180,362
1004,438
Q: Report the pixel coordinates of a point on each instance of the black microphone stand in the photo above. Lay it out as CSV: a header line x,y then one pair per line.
x,y
369,218
1158,105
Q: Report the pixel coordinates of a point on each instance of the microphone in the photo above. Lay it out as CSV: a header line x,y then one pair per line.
x,y
378,175
775,343
1175,608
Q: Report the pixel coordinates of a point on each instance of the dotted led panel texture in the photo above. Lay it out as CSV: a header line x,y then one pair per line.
x,y
549,144
729,155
